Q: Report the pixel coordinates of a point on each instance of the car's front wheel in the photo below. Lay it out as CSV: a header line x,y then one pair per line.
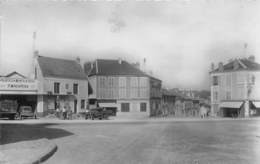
x,y
17,116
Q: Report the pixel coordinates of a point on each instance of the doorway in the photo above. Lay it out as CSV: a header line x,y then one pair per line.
x,y
75,106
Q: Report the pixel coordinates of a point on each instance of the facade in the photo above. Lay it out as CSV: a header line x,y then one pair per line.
x,y
19,89
61,83
235,88
168,103
120,87
155,95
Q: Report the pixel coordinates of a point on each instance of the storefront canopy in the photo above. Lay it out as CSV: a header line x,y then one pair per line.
x,y
256,104
108,105
231,104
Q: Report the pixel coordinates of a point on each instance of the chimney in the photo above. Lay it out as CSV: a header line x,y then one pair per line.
x,y
220,66
119,60
235,64
212,67
136,65
36,54
251,58
78,60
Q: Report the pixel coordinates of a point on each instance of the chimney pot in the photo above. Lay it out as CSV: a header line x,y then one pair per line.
x,y
78,59
212,67
220,66
120,61
235,65
251,58
36,53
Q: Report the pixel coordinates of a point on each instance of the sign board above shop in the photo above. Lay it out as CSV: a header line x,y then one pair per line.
x,y
17,84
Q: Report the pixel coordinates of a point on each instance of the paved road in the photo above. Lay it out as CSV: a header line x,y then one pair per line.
x,y
167,142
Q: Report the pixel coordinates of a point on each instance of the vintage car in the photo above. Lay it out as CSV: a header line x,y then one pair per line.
x,y
26,112
8,109
99,113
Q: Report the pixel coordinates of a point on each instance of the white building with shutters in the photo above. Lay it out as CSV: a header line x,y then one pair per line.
x,y
235,88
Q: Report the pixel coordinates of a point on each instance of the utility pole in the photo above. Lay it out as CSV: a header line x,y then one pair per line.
x,y
34,41
1,36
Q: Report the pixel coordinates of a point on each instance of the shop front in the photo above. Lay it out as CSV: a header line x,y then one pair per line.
x,y
17,91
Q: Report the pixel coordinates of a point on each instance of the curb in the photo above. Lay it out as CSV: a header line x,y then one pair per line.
x,y
46,156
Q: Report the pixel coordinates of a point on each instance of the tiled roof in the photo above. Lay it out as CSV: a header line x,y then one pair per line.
x,y
113,67
60,68
243,64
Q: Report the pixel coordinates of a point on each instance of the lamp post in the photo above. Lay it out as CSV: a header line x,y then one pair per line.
x,y
249,87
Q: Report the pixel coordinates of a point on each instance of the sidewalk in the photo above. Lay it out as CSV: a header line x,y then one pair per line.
x,y
125,120
27,152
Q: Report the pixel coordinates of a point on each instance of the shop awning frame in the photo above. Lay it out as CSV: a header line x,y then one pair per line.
x,y
256,104
231,104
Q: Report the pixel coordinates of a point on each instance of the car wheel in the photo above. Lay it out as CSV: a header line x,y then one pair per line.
x,y
17,116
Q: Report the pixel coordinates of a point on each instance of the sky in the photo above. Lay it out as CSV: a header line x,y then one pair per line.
x,y
178,38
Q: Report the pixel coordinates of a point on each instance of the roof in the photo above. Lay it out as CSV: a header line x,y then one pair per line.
x,y
243,64
61,68
113,67
15,73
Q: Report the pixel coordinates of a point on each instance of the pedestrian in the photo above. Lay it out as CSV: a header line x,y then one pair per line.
x,y
69,114
64,111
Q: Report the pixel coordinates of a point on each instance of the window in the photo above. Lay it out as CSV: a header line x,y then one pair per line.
x,y
215,96
82,104
56,87
125,107
143,107
75,88
228,95
67,86
215,80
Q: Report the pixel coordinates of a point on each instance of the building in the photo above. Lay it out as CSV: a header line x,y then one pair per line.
x,y
168,103
61,83
122,88
16,87
235,88
155,95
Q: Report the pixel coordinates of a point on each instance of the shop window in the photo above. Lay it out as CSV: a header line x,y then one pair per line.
x,y
125,107
56,88
75,88
82,104
143,107
228,95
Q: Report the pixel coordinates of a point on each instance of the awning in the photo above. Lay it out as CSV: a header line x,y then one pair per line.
x,y
231,104
256,104
108,105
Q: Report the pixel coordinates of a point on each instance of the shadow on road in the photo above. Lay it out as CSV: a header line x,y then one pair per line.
x,y
11,133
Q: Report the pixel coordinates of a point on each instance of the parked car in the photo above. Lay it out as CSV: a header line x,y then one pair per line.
x,y
100,113
26,112
8,109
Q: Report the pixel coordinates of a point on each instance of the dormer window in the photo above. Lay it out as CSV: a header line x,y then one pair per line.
x,y
215,80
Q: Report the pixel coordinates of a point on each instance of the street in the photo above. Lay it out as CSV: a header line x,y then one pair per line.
x,y
168,142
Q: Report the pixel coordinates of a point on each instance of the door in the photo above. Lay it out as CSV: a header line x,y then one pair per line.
x,y
75,106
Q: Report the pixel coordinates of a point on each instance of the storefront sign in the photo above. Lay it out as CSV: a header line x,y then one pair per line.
x,y
16,84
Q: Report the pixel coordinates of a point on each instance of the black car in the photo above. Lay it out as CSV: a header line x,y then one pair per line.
x,y
99,113
26,112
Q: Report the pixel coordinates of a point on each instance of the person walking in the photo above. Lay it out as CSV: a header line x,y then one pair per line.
x,y
64,111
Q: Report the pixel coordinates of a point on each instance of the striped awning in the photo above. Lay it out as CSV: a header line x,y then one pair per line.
x,y
256,104
231,104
